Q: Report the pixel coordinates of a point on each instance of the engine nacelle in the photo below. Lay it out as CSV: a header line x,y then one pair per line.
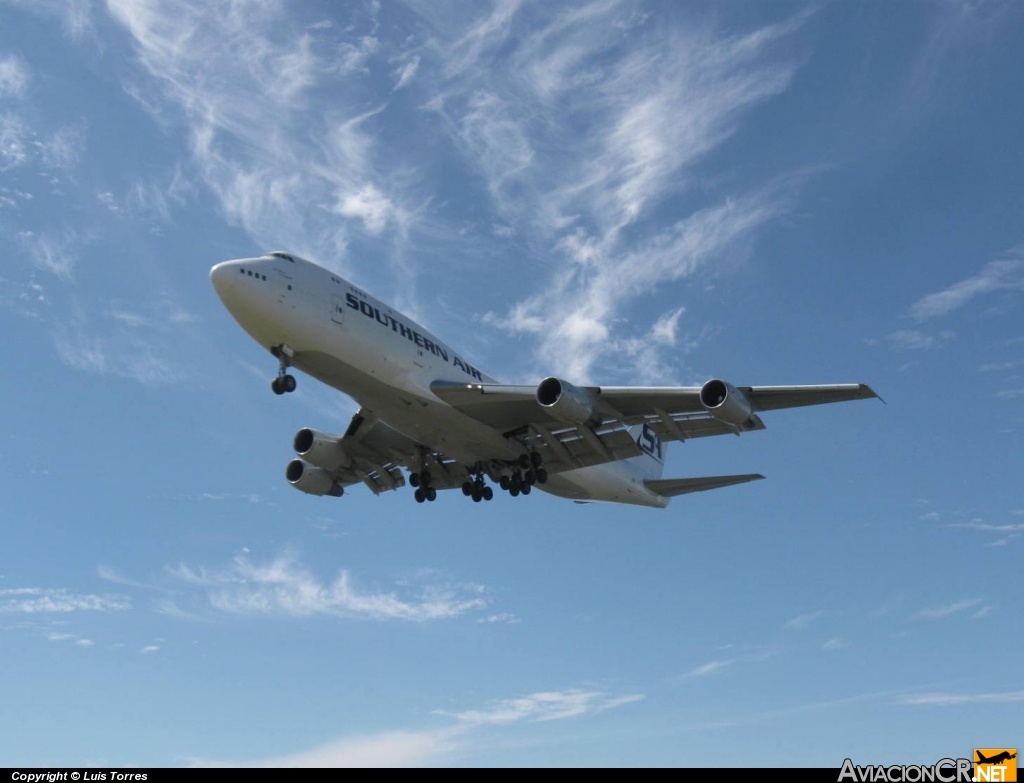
x,y
311,479
567,402
321,449
727,404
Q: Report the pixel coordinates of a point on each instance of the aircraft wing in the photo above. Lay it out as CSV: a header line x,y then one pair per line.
x,y
674,413
378,453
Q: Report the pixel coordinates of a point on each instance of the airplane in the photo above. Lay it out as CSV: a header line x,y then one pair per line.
x,y
426,409
996,759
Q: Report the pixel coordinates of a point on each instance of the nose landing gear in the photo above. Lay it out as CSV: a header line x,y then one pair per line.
x,y
284,382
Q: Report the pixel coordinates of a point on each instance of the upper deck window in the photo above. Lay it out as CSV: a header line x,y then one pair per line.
x,y
279,254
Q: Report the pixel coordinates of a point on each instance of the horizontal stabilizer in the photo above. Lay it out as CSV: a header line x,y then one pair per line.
x,y
669,488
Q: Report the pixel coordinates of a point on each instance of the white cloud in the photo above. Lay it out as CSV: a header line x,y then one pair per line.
x,y
32,600
283,587
406,73
13,76
1004,274
955,700
835,643
939,612
14,140
367,204
541,707
422,748
712,667
665,328
352,58
387,749
120,355
1010,394
801,621
914,340
152,648
506,618
84,642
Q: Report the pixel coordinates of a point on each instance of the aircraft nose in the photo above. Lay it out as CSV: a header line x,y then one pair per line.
x,y
224,276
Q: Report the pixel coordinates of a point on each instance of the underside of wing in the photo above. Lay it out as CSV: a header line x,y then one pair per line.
x,y
574,427
370,452
670,488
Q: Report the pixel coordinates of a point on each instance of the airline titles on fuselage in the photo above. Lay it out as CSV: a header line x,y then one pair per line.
x,y
389,321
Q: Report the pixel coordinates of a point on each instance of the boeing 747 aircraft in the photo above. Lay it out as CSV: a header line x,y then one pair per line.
x,y
426,409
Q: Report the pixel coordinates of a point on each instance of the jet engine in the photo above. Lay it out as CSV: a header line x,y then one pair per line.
x,y
311,479
727,404
567,402
321,449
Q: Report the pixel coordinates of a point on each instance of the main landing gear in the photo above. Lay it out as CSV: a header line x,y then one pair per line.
x,y
528,473
424,492
476,488
284,382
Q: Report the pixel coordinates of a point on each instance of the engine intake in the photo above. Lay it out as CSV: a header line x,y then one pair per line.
x,y
567,402
727,404
311,479
321,449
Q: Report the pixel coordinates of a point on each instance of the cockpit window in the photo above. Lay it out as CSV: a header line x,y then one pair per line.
x,y
285,256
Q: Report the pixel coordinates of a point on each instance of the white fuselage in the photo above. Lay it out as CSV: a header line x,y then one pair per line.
x,y
385,361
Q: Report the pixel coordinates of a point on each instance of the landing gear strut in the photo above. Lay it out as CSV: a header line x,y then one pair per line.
x,y
528,471
284,382
476,488
424,492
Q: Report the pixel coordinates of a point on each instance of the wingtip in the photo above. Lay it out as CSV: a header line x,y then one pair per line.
x,y
872,393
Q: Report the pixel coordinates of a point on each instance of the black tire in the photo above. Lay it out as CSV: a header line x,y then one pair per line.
x,y
526,489
289,383
514,491
425,478
431,494
530,478
414,479
276,387
477,497
535,459
524,461
420,497
542,476
504,483
467,488
488,493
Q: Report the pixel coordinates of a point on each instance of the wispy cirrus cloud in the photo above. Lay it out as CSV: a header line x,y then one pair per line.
x,y
34,600
948,610
1001,275
960,699
423,747
801,621
542,707
283,587
14,76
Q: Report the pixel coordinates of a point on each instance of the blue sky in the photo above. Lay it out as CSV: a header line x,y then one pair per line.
x,y
616,192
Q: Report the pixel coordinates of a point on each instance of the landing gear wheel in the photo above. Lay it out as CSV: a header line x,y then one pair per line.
x,y
542,476
477,495
526,489
276,386
504,483
535,459
524,461
288,383
419,495
414,479
488,493
530,478
514,491
425,478
467,488
431,494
